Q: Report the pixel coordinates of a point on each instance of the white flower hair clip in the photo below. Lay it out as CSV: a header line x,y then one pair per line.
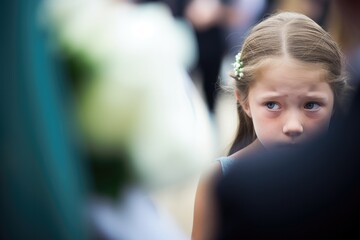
x,y
238,66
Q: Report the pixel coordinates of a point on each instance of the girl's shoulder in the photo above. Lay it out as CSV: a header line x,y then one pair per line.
x,y
225,163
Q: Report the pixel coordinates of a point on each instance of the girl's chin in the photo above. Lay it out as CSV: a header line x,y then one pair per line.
x,y
281,146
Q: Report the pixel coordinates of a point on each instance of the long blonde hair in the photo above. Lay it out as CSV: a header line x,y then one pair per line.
x,y
294,35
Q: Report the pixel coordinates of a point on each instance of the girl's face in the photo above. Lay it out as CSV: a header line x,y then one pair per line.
x,y
289,102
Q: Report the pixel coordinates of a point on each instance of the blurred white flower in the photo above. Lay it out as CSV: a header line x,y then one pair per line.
x,y
140,97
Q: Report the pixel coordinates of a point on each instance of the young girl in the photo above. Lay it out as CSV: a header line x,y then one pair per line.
x,y
289,80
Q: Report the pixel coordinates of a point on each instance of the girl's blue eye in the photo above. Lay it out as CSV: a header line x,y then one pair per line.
x,y
272,105
311,106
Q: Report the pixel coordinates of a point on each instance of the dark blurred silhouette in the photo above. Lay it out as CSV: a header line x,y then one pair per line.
x,y
312,192
177,7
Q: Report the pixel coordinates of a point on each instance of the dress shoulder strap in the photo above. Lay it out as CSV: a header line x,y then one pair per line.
x,y
225,163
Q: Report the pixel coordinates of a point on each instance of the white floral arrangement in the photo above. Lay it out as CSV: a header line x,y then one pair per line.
x,y
139,96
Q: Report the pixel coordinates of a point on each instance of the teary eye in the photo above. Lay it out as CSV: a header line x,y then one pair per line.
x,y
272,105
311,106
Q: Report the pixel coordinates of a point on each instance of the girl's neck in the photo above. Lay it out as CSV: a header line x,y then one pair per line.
x,y
250,149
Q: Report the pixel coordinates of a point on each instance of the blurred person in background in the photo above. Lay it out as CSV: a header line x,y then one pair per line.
x,y
311,192
244,15
208,20
102,114
317,10
347,35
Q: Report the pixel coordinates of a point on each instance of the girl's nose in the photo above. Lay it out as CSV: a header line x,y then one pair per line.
x,y
293,127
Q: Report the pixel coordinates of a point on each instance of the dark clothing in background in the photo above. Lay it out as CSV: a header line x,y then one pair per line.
x,y
309,193
211,49
177,7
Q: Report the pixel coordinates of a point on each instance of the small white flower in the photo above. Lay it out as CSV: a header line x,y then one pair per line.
x,y
238,66
238,57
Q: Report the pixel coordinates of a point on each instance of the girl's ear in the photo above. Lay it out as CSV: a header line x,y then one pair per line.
x,y
244,103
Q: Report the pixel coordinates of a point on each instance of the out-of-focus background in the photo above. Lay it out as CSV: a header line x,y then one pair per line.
x,y
112,109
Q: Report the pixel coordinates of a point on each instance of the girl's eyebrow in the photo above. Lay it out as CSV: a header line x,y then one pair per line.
x,y
312,95
271,95
319,95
